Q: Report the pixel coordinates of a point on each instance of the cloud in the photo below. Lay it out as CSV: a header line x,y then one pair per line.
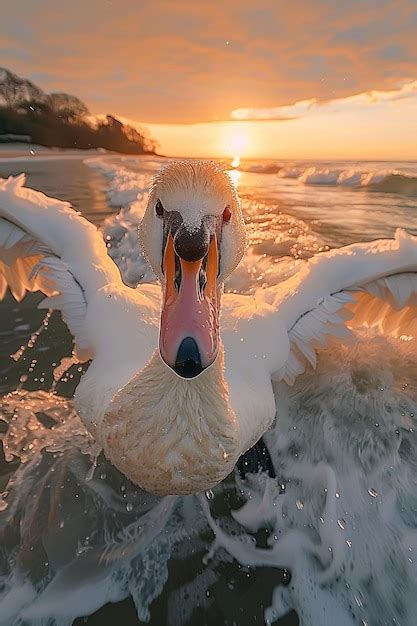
x,y
185,61
313,106
287,112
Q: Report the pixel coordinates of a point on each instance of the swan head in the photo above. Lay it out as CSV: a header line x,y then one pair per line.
x,y
193,235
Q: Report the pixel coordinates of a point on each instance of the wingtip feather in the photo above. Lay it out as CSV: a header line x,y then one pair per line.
x,y
15,182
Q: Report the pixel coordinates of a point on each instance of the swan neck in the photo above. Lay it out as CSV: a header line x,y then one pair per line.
x,y
172,435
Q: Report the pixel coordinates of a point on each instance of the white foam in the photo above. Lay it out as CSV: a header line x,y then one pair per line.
x,y
275,240
126,186
341,514
129,191
386,181
261,168
315,176
344,519
290,172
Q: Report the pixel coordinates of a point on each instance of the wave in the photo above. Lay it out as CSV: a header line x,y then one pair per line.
x,y
128,190
126,186
261,168
341,516
389,181
340,521
397,183
276,242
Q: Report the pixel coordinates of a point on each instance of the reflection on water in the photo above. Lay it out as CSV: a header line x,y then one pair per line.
x,y
235,176
340,213
66,179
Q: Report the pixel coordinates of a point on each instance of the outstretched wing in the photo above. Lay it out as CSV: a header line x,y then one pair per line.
x,y
372,284
47,246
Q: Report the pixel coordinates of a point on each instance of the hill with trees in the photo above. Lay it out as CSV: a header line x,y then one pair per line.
x,y
61,120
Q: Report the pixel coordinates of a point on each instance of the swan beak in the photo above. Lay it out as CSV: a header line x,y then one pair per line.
x,y
189,331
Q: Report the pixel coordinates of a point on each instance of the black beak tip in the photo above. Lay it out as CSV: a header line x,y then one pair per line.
x,y
188,363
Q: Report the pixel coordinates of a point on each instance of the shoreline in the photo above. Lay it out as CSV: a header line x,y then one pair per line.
x,y
24,152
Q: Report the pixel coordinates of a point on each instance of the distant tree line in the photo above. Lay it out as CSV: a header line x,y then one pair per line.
x,y
60,120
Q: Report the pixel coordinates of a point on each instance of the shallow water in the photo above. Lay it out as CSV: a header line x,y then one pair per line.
x,y
161,551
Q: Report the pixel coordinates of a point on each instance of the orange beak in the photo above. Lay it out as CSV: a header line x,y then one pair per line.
x,y
189,331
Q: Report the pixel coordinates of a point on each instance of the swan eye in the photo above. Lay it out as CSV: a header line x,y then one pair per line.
x,y
227,214
159,209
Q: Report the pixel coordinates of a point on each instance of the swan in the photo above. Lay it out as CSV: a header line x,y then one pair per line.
x,y
183,376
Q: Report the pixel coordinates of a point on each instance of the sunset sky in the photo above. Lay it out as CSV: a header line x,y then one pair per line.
x,y
300,79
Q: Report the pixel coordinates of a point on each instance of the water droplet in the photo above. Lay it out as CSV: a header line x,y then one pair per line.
x,y
61,524
129,507
209,494
359,601
373,492
299,504
341,523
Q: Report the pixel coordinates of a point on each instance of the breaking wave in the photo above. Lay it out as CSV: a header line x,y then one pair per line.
x,y
388,181
276,240
261,168
128,191
333,537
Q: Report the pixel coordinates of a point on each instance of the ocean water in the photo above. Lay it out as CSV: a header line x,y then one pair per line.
x,y
71,545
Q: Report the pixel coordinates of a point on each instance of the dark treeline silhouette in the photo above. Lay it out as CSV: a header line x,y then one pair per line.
x,y
60,120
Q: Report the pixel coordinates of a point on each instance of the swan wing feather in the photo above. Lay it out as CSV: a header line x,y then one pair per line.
x,y
373,284
47,246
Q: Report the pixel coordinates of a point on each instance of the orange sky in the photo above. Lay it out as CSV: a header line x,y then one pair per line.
x,y
378,126
179,66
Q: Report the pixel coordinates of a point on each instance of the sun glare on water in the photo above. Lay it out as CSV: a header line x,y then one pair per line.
x,y
235,176
235,141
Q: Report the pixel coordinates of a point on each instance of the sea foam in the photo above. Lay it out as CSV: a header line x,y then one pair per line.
x,y
339,519
383,181
338,525
276,240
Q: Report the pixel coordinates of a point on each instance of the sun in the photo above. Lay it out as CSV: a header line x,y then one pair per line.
x,y
235,141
